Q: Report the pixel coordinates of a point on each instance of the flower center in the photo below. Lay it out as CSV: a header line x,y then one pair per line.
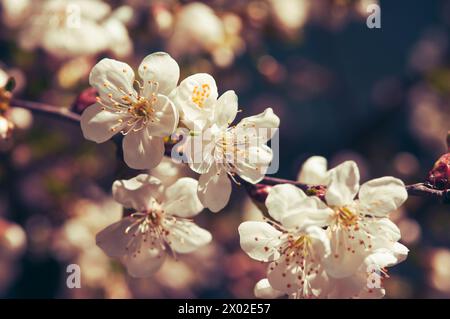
x,y
147,223
143,107
346,217
154,218
136,110
200,94
302,245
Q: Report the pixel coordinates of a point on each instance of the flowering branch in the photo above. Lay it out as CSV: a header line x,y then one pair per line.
x,y
418,189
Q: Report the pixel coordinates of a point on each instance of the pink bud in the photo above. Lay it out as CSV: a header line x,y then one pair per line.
x,y
259,192
86,98
439,176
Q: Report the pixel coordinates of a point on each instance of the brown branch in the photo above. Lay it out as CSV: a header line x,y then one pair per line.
x,y
419,189
50,110
423,190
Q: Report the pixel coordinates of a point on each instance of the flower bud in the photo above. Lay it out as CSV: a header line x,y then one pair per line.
x,y
86,98
439,176
260,192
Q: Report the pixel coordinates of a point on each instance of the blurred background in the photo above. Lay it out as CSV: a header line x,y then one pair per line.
x,y
343,91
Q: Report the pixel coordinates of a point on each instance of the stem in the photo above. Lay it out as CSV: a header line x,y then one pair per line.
x,y
419,189
422,190
50,110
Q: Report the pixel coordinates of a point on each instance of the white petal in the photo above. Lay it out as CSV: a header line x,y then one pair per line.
x,y
112,77
343,184
343,262
142,151
283,276
283,200
168,171
199,152
113,240
166,120
93,10
195,98
253,168
260,240
381,259
349,287
98,125
137,192
385,233
314,171
185,236
214,189
145,259
400,252
118,36
311,211
320,242
264,124
181,198
264,290
381,196
162,68
226,109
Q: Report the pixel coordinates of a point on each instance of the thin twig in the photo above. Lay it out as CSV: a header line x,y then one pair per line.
x,y
422,190
50,110
419,189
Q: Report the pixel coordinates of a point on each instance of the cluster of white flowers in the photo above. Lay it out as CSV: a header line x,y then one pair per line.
x,y
154,111
69,28
338,246
333,249
145,113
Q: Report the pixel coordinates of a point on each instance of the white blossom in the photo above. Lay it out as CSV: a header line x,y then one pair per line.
x,y
360,226
206,33
161,221
296,245
144,117
219,151
361,241
216,35
196,98
68,28
367,281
